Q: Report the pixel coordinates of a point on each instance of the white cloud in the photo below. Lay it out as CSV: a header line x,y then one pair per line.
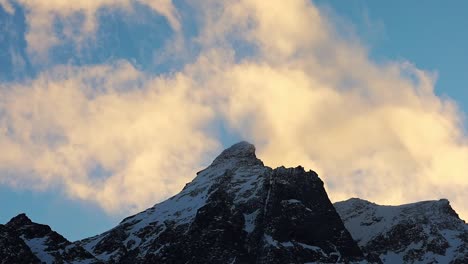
x,y
305,95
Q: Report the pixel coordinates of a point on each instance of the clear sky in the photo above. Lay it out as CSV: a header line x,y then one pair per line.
x,y
106,109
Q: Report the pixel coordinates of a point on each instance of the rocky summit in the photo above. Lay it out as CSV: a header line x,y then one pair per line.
x,y
238,210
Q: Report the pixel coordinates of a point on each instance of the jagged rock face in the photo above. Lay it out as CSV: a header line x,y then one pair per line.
x,y
424,232
45,244
235,211
299,222
13,249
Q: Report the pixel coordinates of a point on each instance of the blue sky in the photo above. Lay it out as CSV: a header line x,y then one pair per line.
x,y
429,35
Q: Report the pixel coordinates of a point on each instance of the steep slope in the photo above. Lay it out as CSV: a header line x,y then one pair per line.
x,y
235,211
46,245
423,232
13,249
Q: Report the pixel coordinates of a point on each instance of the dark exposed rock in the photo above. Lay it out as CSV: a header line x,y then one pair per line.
x,y
298,212
13,249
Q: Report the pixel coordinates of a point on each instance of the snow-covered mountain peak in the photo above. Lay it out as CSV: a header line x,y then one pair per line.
x,y
237,170
436,210
242,152
422,232
235,211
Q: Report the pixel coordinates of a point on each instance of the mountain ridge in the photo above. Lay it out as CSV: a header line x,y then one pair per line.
x,y
237,210
421,232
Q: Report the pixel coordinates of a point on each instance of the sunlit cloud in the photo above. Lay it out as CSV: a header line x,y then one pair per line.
x,y
144,141
302,93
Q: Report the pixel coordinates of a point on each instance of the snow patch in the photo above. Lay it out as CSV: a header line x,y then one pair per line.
x,y
39,247
249,224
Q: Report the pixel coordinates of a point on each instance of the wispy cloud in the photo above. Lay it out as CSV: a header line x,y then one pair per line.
x,y
303,93
41,16
7,6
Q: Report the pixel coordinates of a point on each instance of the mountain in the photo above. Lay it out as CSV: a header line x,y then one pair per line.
x,y
23,241
238,210
235,211
423,232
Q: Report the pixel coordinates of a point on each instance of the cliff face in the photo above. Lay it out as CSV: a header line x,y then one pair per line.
x,y
235,211
423,232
